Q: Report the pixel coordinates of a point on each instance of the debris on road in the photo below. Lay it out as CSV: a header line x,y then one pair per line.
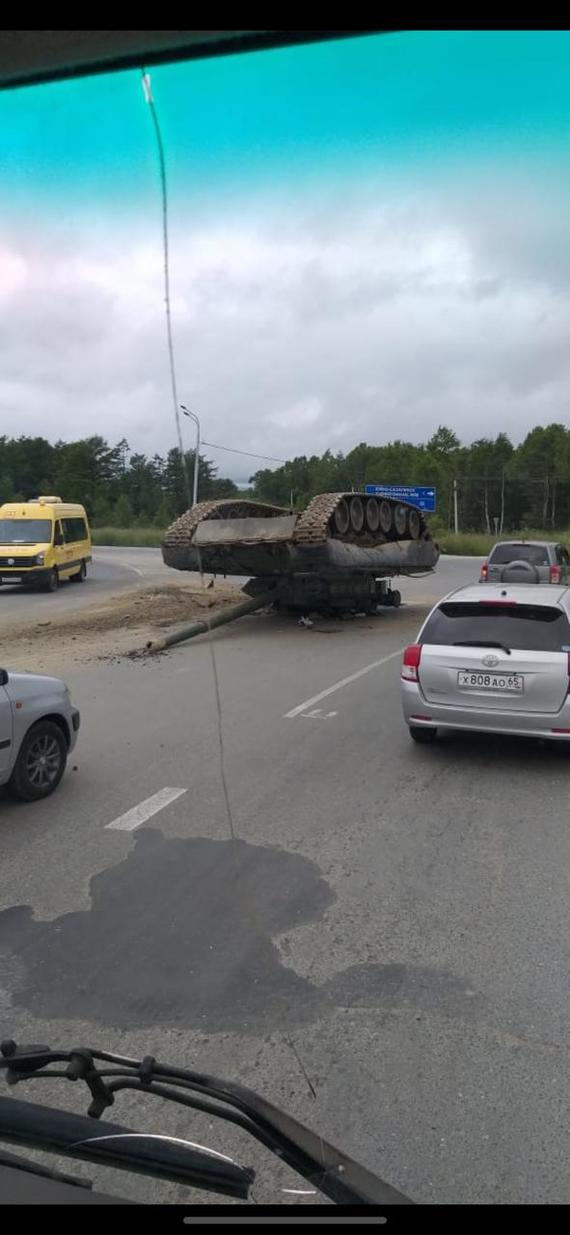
x,y
190,630
110,628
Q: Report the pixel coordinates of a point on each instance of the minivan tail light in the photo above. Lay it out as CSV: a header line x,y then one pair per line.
x,y
411,662
554,574
485,570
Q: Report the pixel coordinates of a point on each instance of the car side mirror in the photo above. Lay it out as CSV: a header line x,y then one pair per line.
x,y
3,677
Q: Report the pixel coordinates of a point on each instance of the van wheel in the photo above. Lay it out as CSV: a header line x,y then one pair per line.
x,y
52,580
81,575
41,762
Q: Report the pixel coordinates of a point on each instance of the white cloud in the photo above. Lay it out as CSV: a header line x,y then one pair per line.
x,y
291,337
12,273
298,416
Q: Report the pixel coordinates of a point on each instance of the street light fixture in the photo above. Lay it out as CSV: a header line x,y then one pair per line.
x,y
193,416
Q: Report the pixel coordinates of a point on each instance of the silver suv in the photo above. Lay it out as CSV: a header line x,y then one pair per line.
x,y
38,729
527,561
495,659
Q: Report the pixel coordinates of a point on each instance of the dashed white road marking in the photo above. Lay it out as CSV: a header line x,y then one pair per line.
x,y
302,707
145,810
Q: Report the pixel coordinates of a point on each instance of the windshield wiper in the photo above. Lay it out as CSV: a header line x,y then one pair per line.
x,y
482,643
332,1172
164,1157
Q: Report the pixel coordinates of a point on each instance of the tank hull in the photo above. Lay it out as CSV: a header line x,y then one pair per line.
x,y
331,558
313,554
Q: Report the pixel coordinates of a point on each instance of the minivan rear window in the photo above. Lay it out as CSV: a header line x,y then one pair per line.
x,y
534,628
537,555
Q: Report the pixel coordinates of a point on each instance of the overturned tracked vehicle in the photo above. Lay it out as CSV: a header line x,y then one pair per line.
x,y
338,554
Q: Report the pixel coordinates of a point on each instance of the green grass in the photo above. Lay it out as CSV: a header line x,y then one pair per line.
x,y
128,536
478,544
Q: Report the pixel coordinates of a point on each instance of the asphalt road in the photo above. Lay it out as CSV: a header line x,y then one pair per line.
x,y
374,936
113,570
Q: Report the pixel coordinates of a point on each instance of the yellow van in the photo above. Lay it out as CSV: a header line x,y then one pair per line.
x,y
43,541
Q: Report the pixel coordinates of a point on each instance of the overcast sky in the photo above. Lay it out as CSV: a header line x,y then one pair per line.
x,y
368,238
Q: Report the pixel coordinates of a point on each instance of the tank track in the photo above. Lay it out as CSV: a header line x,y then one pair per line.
x,y
314,525
179,534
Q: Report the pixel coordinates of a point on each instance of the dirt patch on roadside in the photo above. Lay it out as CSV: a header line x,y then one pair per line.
x,y
111,628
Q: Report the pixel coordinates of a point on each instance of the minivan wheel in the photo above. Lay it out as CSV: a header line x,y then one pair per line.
x,y
41,762
52,580
81,575
420,733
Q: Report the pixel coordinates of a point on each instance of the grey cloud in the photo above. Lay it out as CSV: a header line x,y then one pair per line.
x,y
515,223
362,324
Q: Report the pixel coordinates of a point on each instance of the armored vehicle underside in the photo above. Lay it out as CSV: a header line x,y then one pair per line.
x,y
331,555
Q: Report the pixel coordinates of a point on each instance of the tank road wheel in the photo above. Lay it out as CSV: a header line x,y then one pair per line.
x,y
400,520
385,512
341,518
414,524
372,515
356,514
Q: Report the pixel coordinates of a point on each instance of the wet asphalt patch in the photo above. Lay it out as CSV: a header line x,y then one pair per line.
x,y
181,932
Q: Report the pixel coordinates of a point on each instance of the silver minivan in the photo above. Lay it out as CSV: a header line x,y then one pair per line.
x,y
38,729
526,561
495,659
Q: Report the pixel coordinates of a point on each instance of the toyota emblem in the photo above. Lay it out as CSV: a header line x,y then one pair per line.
x,y
490,661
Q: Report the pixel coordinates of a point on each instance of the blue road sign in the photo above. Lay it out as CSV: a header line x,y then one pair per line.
x,y
422,496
